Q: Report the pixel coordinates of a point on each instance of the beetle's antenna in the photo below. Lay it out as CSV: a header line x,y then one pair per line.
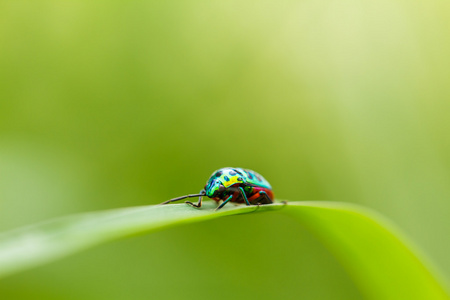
x,y
184,197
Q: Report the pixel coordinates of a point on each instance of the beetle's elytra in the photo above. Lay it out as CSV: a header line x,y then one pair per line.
x,y
233,185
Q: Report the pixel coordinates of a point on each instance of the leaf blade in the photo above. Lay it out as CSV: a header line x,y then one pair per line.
x,y
365,243
44,242
383,263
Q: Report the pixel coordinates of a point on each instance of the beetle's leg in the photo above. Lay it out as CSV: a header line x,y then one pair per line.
x,y
224,202
259,195
183,197
244,196
254,197
199,203
264,194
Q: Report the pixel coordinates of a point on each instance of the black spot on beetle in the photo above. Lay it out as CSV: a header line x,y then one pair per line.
x,y
232,173
218,174
237,171
249,174
226,178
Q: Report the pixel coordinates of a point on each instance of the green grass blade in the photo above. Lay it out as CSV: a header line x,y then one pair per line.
x,y
380,261
38,244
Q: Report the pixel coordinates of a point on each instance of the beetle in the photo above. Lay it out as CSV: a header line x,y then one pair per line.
x,y
233,185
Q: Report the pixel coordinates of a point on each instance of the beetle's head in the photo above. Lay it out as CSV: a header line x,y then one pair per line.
x,y
214,186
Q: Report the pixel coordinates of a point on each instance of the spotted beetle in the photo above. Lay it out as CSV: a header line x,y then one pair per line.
x,y
233,185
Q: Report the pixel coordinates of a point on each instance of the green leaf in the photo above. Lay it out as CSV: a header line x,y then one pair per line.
x,y
381,262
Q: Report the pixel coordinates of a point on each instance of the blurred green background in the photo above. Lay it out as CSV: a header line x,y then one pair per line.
x,y
122,103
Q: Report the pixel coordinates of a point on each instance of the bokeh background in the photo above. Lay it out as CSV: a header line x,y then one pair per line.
x,y
110,104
